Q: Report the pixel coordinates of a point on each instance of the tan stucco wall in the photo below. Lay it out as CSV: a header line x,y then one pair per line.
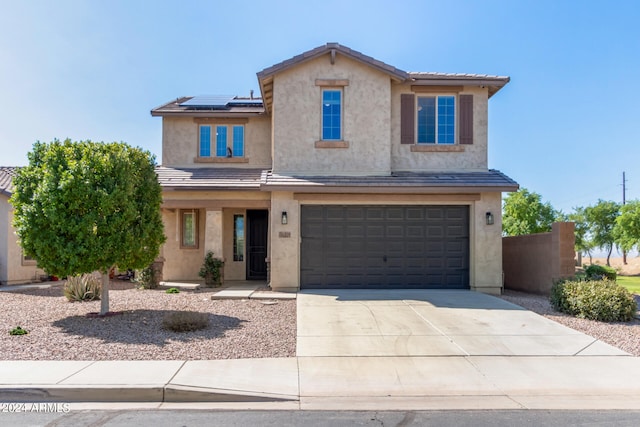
x,y
474,157
297,119
285,242
485,272
180,143
12,270
181,264
486,247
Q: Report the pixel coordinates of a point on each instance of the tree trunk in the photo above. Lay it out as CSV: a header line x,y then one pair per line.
x,y
609,256
104,298
624,257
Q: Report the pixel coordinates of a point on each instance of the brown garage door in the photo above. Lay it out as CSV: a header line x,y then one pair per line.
x,y
385,247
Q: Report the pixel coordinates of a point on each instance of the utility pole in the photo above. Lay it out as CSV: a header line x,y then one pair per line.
x,y
624,189
624,201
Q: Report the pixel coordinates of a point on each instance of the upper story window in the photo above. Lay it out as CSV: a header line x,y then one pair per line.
x,y
331,114
436,120
224,146
205,141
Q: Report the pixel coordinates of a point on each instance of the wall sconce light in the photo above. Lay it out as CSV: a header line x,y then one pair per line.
x,y
489,216
284,218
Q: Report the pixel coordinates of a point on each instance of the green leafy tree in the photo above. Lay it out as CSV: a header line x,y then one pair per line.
x,y
583,244
602,225
627,228
87,206
523,212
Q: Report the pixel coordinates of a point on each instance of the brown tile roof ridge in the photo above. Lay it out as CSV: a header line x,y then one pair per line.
x,y
326,48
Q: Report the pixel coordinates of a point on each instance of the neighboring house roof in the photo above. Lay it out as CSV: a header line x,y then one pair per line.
x,y
211,106
6,179
208,178
397,182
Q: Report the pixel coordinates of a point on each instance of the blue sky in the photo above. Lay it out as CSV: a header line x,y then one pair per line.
x,y
566,126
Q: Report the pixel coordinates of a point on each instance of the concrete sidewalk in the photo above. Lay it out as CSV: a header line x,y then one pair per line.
x,y
371,350
367,383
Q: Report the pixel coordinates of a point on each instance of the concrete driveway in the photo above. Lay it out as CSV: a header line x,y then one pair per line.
x,y
409,349
430,323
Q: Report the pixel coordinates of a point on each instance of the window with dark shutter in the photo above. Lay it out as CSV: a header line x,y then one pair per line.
x,y
466,119
407,118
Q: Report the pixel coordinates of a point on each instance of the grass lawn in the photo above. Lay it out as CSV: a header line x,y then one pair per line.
x,y
632,283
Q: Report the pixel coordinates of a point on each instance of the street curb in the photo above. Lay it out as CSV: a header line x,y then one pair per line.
x,y
178,393
61,393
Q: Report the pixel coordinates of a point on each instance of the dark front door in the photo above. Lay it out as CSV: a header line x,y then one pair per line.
x,y
385,247
257,232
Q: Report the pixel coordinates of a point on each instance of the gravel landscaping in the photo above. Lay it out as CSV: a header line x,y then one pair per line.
x,y
625,336
60,330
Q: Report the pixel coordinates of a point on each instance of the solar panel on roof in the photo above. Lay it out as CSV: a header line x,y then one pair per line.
x,y
208,101
245,102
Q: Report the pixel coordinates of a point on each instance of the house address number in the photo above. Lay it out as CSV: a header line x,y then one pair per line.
x,y
284,234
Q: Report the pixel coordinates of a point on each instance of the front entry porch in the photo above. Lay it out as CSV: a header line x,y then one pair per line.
x,y
237,235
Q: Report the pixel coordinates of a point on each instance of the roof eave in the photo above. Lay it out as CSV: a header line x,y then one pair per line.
x,y
200,113
316,188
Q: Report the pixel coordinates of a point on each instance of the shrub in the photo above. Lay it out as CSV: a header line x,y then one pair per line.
x,y
82,288
172,291
601,300
211,270
18,331
599,272
148,279
185,321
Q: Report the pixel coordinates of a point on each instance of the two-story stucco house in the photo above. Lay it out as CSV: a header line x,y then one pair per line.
x,y
346,172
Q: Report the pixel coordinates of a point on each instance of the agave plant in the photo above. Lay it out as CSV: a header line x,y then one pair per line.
x,y
82,288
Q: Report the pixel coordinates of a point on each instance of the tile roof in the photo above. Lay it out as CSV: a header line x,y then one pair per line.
x,y
399,182
208,178
231,109
6,179
493,83
328,48
266,76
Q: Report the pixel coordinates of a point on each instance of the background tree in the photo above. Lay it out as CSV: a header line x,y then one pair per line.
x,y
87,206
602,225
524,212
583,244
627,227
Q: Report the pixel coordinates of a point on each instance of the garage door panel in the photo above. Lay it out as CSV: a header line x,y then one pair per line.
x,y
355,231
435,232
355,213
394,231
415,231
374,213
395,214
385,246
374,231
